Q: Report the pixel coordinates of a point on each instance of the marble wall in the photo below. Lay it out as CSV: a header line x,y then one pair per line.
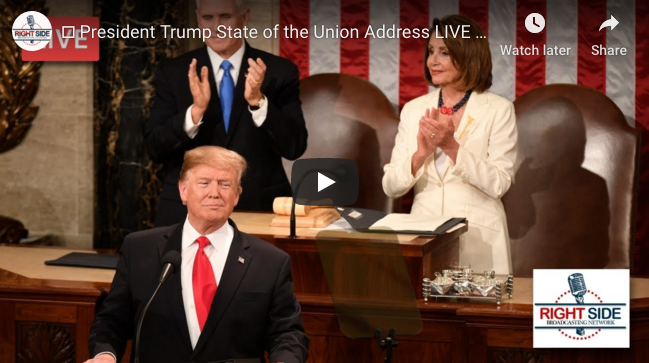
x,y
47,181
128,183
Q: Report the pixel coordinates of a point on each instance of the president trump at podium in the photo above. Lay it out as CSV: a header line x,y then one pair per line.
x,y
231,297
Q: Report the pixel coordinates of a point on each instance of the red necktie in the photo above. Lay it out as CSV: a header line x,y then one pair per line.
x,y
203,282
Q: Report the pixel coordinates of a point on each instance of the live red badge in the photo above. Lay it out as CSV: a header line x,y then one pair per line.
x,y
67,44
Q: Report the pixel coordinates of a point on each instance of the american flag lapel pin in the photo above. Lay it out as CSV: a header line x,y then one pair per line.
x,y
241,260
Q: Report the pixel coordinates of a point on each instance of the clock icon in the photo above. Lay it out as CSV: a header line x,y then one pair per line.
x,y
534,23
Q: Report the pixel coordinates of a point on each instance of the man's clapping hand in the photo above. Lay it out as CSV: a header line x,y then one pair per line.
x,y
254,79
200,89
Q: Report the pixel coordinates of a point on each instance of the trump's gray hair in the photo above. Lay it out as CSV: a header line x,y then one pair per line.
x,y
241,5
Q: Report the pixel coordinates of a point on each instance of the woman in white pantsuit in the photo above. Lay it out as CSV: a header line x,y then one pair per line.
x,y
457,145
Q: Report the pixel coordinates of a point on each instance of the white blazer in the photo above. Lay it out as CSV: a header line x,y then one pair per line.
x,y
471,187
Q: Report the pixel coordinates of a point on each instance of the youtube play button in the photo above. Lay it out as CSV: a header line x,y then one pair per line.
x,y
325,182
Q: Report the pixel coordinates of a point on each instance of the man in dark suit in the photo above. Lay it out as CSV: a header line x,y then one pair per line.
x,y
245,100
233,296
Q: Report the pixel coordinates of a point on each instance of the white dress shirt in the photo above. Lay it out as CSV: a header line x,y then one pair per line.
x,y
258,116
216,251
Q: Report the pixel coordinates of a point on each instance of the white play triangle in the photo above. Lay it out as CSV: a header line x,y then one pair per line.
x,y
324,182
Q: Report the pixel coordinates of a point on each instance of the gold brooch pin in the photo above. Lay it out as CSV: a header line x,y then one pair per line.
x,y
469,121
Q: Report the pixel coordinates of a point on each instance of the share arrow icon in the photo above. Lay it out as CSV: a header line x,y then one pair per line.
x,y
612,22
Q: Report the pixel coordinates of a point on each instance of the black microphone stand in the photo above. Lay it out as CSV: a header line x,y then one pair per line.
x,y
297,188
387,344
173,260
139,325
341,173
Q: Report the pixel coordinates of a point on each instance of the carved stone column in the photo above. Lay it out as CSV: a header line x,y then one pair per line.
x,y
18,80
19,83
128,183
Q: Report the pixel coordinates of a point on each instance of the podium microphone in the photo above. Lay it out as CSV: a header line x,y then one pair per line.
x,y
171,263
341,173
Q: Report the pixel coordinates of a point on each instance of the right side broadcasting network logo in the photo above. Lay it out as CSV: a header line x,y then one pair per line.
x,y
581,308
32,31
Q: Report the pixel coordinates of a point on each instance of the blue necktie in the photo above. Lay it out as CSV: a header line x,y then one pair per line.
x,y
227,93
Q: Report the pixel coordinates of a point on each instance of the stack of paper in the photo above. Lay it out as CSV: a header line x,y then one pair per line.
x,y
408,222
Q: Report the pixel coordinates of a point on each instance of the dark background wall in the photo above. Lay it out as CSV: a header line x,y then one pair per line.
x,y
128,182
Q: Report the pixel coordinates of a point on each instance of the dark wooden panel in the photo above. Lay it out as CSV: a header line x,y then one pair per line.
x,y
325,322
85,316
421,351
308,275
7,333
510,338
363,266
476,345
46,312
518,348
640,331
421,256
45,342
640,349
436,342
517,355
591,355
324,349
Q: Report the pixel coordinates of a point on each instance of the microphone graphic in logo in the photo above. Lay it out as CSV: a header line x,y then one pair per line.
x,y
30,22
578,290
32,31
